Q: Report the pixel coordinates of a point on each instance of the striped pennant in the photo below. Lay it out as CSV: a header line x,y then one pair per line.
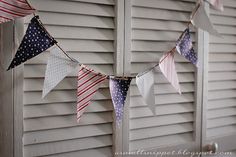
x,y
12,9
167,67
217,4
88,84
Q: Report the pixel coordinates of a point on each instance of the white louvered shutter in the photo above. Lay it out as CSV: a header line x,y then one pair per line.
x,y
155,26
85,29
220,111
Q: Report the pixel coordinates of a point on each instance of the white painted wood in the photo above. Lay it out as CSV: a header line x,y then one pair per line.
x,y
67,146
177,117
219,101
18,81
88,33
119,68
6,91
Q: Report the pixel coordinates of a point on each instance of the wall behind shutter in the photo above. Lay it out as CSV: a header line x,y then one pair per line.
x,y
85,29
221,107
156,25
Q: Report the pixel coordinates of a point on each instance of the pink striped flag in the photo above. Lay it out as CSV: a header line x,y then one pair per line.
x,y
167,66
217,4
88,84
12,9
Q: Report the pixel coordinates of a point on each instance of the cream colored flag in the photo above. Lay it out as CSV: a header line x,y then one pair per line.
x,y
201,20
145,85
58,67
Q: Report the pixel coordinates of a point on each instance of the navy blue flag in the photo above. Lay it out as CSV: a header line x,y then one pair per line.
x,y
185,47
118,90
35,41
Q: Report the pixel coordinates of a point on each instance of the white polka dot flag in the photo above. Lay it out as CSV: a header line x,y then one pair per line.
x,y
201,20
145,85
217,4
185,47
167,67
58,67
118,89
35,41
12,9
88,84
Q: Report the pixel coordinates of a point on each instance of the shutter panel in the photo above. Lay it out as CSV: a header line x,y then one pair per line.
x,y
221,106
85,29
156,25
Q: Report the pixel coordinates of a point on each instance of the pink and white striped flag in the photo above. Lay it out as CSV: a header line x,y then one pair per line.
x,y
12,9
167,66
217,4
88,84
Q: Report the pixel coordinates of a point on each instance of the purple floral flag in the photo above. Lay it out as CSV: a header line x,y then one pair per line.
x,y
185,47
118,90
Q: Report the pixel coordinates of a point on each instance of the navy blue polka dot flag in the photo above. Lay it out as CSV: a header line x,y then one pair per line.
x,y
35,41
118,89
185,47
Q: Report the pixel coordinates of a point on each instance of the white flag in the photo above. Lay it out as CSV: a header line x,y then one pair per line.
x,y
167,66
201,20
145,85
58,67
216,4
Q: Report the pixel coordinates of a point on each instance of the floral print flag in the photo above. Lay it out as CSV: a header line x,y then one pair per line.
x,y
185,47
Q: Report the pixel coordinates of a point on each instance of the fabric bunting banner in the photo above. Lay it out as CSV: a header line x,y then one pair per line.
x,y
201,20
145,85
167,67
119,89
216,4
88,84
58,67
35,41
12,9
185,47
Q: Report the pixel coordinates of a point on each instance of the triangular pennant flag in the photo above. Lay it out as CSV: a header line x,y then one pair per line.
x,y
58,67
88,83
185,47
145,85
118,89
12,9
35,41
167,67
201,20
216,4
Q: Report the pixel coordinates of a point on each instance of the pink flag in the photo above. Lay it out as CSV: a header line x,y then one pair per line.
x,y
216,4
12,9
167,66
88,84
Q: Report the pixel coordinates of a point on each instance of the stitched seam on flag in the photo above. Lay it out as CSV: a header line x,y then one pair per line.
x,y
99,80
83,75
91,70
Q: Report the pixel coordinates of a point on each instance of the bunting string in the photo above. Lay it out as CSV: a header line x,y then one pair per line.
x,y
60,63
